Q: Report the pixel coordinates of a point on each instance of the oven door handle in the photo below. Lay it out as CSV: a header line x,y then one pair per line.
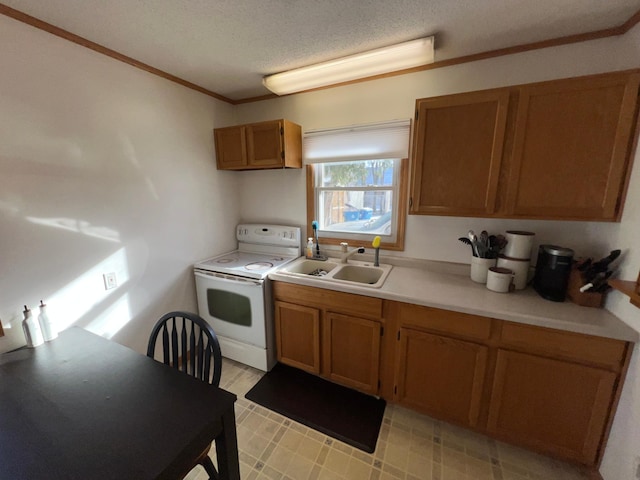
x,y
227,278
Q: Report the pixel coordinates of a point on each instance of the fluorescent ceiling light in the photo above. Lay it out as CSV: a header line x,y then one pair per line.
x,y
374,62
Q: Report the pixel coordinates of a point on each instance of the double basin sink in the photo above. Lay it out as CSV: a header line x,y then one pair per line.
x,y
358,273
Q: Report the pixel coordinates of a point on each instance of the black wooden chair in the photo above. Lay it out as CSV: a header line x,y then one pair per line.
x,y
189,345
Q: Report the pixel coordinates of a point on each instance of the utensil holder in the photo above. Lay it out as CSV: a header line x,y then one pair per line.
x,y
480,267
586,299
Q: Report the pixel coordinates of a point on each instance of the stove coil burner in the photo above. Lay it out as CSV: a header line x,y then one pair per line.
x,y
258,265
227,260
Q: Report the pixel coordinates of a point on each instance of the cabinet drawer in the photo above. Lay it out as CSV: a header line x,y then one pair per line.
x,y
359,305
444,321
574,346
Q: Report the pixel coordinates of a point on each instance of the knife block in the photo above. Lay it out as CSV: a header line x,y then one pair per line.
x,y
586,299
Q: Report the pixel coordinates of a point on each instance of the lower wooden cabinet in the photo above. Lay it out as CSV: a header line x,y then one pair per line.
x,y
320,331
549,390
298,336
552,405
552,391
352,351
441,376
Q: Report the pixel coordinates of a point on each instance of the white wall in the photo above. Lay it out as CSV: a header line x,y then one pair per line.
x,y
103,168
435,237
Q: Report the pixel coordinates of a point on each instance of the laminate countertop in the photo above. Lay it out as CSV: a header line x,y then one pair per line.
x,y
448,286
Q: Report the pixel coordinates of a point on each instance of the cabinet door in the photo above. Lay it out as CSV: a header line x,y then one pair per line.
x,y
551,405
352,351
264,144
298,336
231,149
458,144
441,376
571,146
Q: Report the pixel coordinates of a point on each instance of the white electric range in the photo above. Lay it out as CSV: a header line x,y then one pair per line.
x,y
234,293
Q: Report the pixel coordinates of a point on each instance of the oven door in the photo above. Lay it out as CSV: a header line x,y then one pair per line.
x,y
233,306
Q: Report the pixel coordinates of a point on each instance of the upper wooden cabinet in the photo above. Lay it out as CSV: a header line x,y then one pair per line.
x,y
272,144
551,150
571,146
460,140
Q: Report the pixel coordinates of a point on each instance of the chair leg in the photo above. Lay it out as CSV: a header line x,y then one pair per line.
x,y
209,467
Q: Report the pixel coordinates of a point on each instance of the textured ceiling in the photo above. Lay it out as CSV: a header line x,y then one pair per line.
x,y
227,46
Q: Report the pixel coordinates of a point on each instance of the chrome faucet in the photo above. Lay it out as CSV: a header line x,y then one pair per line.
x,y
345,254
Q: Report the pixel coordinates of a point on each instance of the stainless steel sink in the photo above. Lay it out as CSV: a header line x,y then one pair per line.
x,y
356,273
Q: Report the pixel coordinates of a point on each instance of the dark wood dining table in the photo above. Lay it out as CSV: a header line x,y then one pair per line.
x,y
83,407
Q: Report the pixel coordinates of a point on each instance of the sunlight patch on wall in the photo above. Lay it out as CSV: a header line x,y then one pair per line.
x,y
79,226
87,292
113,319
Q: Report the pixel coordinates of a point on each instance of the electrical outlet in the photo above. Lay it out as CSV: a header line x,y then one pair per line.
x,y
110,281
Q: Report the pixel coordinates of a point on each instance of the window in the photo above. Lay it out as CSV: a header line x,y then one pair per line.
x,y
357,183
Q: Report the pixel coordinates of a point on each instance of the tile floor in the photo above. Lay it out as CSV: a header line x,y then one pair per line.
x,y
411,446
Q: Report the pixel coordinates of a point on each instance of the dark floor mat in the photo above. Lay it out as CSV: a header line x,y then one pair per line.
x,y
347,415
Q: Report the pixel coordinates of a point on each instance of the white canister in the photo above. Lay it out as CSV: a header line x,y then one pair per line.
x,y
480,267
500,279
519,244
519,267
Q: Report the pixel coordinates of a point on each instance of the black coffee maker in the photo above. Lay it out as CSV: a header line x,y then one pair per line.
x,y
552,272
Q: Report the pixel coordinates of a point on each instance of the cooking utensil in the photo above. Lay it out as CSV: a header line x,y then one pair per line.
x,y
602,264
466,241
597,282
474,243
484,238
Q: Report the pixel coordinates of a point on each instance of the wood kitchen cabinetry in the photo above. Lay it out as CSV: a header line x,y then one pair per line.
x,y
549,404
545,389
553,391
441,376
332,334
264,145
552,150
441,361
458,150
298,336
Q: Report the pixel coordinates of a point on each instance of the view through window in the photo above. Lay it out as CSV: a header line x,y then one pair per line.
x,y
357,197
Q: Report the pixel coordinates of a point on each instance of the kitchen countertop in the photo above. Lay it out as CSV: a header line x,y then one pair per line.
x,y
448,286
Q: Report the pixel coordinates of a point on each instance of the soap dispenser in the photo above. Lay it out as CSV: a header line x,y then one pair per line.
x,y
309,249
32,332
48,330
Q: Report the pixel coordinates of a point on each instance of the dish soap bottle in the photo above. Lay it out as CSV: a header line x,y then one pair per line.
x,y
48,330
32,332
309,249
